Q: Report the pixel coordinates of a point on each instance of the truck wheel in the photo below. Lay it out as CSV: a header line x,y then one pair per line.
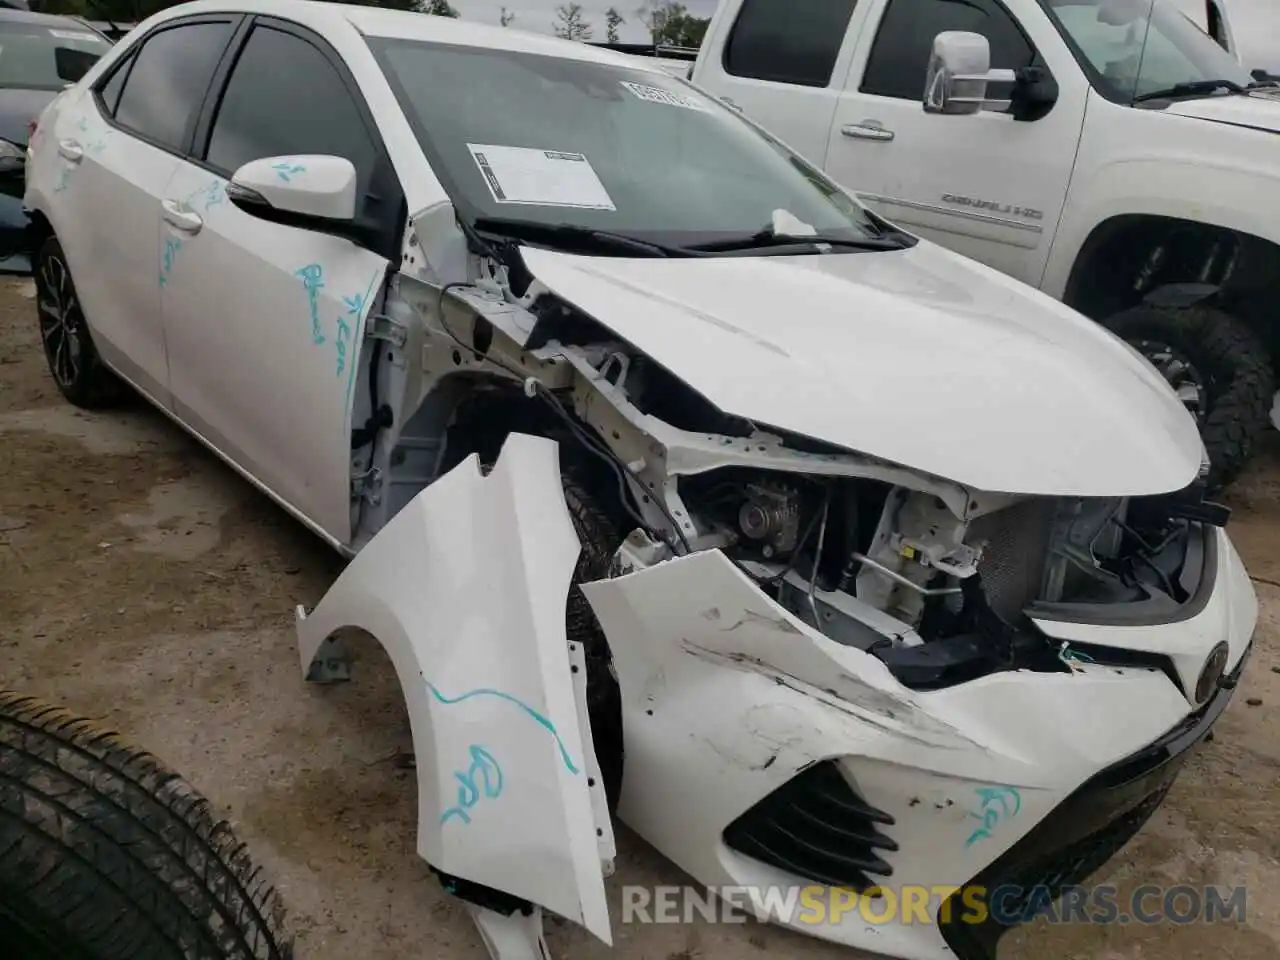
x,y
1220,369
107,855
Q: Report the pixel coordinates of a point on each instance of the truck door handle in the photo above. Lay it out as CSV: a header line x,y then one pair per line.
x,y
185,220
867,130
70,150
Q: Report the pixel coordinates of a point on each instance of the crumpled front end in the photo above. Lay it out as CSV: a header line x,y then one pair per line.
x,y
763,754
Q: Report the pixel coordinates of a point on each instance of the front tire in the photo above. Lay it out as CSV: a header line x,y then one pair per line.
x,y
78,371
1221,370
107,855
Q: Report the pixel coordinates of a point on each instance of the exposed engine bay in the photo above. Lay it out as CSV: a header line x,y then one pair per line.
x,y
931,577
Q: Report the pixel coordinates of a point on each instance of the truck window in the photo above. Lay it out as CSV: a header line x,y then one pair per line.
x,y
788,41
904,43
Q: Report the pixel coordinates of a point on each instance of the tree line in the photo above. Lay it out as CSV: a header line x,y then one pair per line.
x,y
668,22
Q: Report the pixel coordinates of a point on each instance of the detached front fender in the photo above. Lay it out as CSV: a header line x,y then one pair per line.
x,y
466,589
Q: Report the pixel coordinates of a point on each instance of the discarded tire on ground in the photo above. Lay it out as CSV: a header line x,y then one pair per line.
x,y
107,855
1221,369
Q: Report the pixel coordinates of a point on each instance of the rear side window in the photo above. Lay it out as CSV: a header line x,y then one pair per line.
x,y
904,43
285,97
788,41
170,75
110,93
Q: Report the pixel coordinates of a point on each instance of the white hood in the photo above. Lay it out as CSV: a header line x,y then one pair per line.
x,y
1258,109
918,357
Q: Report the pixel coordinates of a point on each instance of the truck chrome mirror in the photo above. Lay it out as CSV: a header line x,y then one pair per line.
x,y
958,73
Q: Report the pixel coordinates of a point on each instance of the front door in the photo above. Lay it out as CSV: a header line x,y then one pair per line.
x,y
117,149
265,321
985,185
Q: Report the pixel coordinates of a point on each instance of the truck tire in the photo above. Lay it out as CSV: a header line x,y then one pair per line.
x,y
1222,369
107,855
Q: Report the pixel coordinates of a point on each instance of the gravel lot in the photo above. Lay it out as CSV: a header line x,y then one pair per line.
x,y
144,583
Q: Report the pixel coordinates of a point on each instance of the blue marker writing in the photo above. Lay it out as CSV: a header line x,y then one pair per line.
x,y
285,171
539,718
171,247
64,177
996,806
313,280
484,767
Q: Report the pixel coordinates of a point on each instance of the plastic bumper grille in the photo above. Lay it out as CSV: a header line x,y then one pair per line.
x,y
817,827
1081,834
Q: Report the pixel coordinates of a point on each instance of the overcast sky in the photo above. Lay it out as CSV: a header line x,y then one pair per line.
x,y
1255,23
540,15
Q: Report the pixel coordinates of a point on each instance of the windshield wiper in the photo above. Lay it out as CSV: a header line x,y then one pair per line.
x,y
1190,88
764,239
575,234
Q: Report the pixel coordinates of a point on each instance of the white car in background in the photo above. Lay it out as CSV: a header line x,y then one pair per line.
x,y
880,568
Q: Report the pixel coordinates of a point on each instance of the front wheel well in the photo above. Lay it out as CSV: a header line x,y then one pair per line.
x,y
1127,257
39,229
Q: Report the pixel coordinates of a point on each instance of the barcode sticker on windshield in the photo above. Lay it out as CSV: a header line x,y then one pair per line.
x,y
548,178
73,35
658,95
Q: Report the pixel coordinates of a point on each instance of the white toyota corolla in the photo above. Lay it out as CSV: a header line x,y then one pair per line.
x,y
881,570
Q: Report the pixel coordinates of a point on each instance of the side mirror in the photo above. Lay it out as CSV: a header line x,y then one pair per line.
x,y
312,192
958,73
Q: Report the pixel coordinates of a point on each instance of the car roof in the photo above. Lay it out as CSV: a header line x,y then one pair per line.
x,y
14,15
409,25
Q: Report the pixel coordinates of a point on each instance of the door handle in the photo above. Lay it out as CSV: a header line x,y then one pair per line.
x,y
185,220
867,130
70,150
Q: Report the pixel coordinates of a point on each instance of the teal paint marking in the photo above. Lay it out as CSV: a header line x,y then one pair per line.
x,y
286,171
539,718
209,195
171,247
356,312
64,177
998,805
313,282
484,767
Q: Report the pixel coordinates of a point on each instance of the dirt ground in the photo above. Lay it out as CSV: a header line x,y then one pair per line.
x,y
144,583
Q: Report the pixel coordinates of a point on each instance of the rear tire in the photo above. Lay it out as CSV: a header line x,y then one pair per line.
x,y
107,855
78,371
1231,368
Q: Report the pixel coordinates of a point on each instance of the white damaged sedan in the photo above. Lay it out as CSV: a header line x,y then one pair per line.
x,y
678,487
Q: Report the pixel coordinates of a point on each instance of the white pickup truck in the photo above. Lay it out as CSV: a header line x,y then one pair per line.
x,y
1108,152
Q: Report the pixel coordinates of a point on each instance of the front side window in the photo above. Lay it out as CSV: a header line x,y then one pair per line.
x,y
35,56
603,146
788,41
168,80
904,43
285,97
1136,48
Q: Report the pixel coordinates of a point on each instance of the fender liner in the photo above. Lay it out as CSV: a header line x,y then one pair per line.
x,y
1180,294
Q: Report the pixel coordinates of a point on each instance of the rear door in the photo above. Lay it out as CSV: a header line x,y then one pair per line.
x,y
781,62
117,150
265,321
985,185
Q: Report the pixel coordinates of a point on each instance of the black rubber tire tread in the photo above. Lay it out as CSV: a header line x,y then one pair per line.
x,y
106,854
95,386
1216,342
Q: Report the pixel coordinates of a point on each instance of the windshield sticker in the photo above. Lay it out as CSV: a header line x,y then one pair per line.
x,y
658,95
548,178
72,35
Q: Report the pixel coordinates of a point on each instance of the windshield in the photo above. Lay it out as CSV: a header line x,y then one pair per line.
x,y
523,136
29,56
1140,47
